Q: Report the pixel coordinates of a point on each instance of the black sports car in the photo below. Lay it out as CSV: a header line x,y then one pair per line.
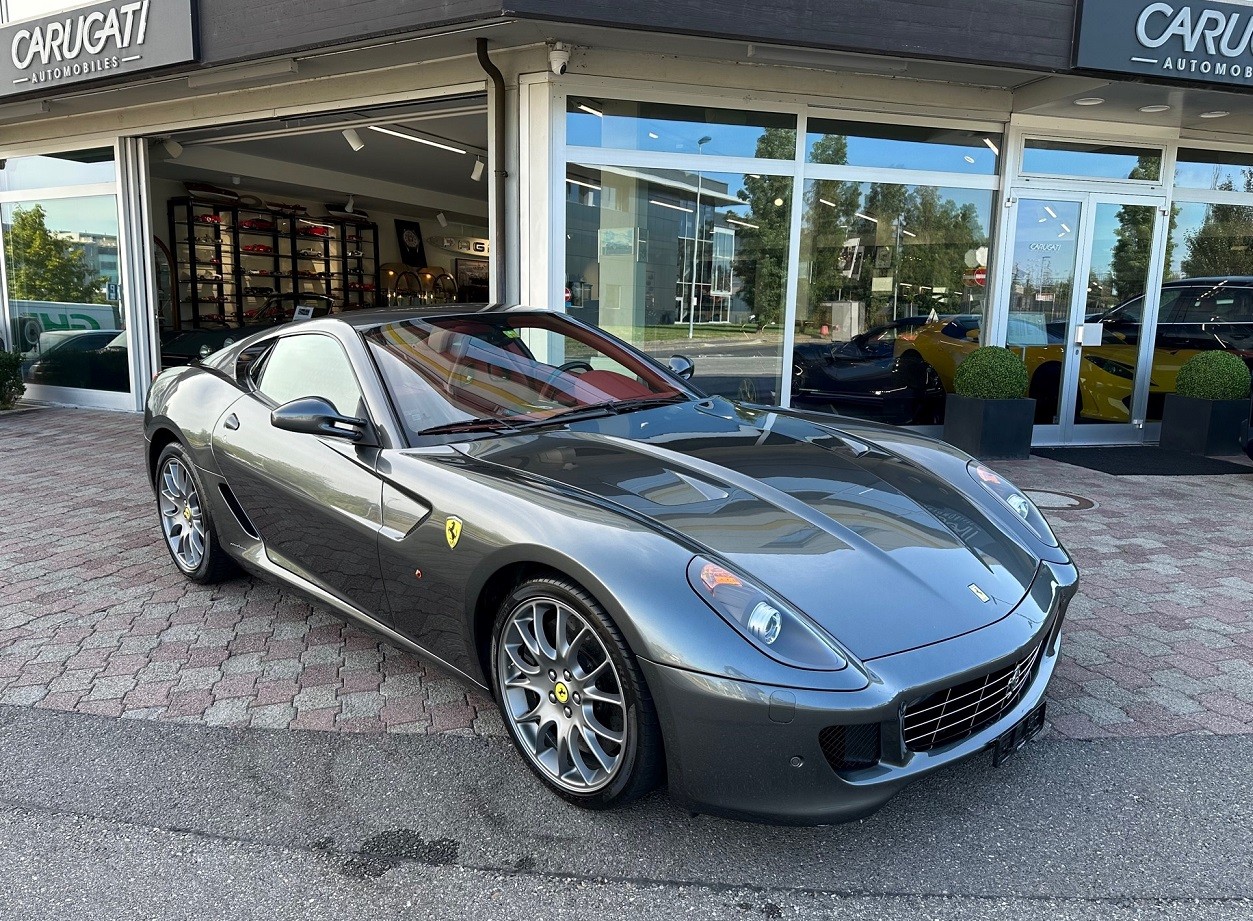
x,y
865,376
182,347
786,616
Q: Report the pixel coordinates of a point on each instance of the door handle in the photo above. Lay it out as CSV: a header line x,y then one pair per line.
x,y
232,422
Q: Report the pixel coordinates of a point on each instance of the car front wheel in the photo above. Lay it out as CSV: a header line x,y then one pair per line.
x,y
573,697
186,523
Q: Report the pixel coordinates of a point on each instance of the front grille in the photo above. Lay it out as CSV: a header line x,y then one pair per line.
x,y
959,712
850,748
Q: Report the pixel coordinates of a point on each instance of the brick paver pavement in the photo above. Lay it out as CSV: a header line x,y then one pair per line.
x,y
94,617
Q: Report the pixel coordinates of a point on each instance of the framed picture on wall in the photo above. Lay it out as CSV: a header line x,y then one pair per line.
x,y
471,272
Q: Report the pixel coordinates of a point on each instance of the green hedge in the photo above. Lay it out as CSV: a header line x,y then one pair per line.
x,y
991,373
11,386
1214,376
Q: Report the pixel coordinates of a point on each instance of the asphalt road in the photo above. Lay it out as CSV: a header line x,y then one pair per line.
x,y
121,819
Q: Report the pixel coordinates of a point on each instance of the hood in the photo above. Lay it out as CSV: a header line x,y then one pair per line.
x,y
878,550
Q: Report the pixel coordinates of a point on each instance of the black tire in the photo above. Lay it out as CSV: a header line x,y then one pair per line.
x,y
214,564
642,762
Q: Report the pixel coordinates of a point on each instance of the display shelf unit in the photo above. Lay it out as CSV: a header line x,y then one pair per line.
x,y
229,258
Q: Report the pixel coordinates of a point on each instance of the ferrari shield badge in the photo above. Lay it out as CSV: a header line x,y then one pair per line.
x,y
452,531
978,592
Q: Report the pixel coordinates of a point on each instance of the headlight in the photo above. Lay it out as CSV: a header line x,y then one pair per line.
x,y
766,622
1019,504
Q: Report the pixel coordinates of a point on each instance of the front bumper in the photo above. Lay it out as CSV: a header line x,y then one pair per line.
x,y
752,751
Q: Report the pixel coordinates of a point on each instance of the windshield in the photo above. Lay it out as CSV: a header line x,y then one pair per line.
x,y
508,370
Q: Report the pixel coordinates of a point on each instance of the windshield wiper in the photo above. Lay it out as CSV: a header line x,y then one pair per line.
x,y
608,408
471,425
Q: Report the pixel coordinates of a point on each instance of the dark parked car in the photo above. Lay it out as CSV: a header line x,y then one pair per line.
x,y
1195,313
786,616
93,359
865,377
182,347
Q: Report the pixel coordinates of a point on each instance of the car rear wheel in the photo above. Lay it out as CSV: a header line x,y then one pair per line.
x,y
573,697
186,523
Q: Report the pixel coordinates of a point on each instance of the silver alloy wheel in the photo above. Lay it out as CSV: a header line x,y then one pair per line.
x,y
562,695
181,517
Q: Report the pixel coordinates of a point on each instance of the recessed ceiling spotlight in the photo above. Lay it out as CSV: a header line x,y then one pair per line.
x,y
1090,101
1153,110
173,148
1217,113
476,172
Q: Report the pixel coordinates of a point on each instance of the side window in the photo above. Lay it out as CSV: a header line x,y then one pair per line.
x,y
310,366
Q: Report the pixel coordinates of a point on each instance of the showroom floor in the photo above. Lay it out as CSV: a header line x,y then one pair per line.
x,y
95,619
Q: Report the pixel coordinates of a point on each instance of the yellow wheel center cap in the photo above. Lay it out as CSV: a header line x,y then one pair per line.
x,y
187,512
562,692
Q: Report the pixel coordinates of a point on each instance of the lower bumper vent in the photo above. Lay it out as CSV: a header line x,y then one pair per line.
x,y
849,748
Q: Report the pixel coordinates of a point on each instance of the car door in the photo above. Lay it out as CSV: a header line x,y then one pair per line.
x,y
315,500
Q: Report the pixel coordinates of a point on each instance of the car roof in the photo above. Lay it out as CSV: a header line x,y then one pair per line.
x,y
1244,281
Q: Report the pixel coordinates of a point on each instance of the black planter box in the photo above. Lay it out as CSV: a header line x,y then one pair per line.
x,y
1211,427
989,429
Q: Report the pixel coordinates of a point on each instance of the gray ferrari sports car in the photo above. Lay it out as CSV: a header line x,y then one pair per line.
x,y
783,616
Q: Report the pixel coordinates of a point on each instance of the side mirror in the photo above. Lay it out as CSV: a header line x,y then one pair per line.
x,y
681,366
315,416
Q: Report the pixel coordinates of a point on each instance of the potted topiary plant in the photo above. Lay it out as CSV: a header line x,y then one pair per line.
x,y
1210,405
989,413
11,386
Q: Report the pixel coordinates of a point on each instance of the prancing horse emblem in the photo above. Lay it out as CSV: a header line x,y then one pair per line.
x,y
452,531
980,593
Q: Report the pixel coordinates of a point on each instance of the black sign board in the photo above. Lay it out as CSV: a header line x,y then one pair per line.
x,y
90,42
1200,41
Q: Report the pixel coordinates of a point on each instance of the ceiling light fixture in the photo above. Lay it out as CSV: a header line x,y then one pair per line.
x,y
866,217
992,147
908,233
829,204
1065,228
1154,109
173,148
654,135
586,185
353,139
443,221
1090,101
416,138
590,111
1050,212
352,201
477,172
968,158
1217,113
732,220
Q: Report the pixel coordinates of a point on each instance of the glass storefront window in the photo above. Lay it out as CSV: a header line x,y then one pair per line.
x,y
1207,299
1091,160
79,167
885,269
627,125
64,293
918,147
1214,170
685,262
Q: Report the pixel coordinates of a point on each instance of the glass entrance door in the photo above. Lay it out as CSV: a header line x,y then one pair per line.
x,y
1083,284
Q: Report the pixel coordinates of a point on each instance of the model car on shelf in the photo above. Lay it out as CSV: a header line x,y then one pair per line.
x,y
786,616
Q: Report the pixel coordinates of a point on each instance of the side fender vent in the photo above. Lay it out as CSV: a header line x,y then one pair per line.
x,y
238,511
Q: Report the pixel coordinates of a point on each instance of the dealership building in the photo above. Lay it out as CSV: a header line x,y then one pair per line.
x,y
823,205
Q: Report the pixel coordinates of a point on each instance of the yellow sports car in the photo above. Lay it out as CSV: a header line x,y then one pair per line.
x,y
1105,380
